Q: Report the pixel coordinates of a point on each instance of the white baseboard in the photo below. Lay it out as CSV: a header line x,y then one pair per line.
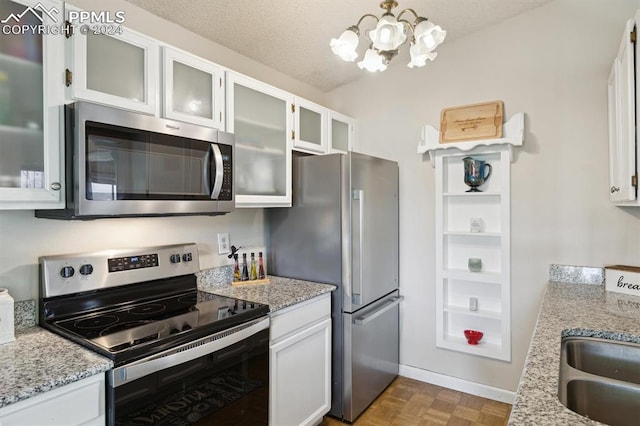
x,y
455,383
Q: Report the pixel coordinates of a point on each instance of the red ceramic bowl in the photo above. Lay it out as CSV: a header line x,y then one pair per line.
x,y
473,336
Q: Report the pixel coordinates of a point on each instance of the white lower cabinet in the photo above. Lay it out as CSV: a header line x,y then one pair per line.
x,y
300,363
78,403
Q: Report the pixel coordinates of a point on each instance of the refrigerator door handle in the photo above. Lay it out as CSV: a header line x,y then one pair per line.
x,y
358,195
383,309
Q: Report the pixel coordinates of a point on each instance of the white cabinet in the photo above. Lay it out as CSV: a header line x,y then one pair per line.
x,y
622,90
78,403
260,117
193,89
117,66
341,132
319,130
473,225
310,134
31,68
300,363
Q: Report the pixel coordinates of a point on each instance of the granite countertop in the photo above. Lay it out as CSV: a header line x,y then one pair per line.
x,y
568,310
39,361
278,294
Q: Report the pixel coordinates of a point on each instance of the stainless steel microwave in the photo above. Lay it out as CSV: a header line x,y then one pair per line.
x,y
121,164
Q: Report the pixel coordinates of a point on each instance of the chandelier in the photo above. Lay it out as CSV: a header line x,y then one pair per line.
x,y
389,34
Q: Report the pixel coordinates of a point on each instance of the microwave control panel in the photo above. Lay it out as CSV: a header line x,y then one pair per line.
x,y
226,193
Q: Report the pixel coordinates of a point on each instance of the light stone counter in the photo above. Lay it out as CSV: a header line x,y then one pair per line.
x,y
568,310
39,361
278,294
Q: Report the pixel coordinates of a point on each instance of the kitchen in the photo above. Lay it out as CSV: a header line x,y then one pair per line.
x,y
551,63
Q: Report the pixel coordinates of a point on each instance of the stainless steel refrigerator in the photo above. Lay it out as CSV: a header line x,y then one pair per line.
x,y
343,229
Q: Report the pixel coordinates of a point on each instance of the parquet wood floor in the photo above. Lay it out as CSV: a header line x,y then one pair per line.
x,y
408,402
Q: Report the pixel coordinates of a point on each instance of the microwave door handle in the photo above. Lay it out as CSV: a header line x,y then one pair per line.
x,y
206,172
219,176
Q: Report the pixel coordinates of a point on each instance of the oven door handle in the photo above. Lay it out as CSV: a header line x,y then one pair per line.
x,y
187,352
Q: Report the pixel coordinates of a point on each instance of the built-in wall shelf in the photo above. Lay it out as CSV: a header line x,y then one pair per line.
x,y
467,299
513,131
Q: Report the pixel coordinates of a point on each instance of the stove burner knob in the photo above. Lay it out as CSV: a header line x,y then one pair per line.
x,y
86,269
187,257
67,272
253,305
174,331
174,258
244,305
186,327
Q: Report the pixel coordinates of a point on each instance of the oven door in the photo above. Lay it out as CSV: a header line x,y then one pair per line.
x,y
133,164
220,379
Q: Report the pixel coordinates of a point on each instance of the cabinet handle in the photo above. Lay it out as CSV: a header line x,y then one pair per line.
x,y
55,186
614,189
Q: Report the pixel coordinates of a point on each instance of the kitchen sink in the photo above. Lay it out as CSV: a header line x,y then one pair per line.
x,y
615,360
600,379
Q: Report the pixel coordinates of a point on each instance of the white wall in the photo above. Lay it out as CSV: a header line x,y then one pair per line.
x,y
551,63
23,237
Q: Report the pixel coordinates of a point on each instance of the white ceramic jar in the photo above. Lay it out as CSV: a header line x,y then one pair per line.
x,y
6,317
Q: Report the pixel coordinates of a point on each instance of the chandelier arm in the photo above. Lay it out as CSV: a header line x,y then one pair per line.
x,y
408,24
364,16
408,10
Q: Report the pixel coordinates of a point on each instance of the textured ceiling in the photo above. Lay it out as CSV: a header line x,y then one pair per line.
x,y
292,36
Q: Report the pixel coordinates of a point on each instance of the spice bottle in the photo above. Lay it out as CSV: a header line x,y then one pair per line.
x,y
254,269
261,274
245,269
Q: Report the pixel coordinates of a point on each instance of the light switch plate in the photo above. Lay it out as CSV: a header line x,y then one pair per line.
x,y
223,243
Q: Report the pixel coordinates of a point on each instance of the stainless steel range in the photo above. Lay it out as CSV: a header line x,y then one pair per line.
x,y
181,356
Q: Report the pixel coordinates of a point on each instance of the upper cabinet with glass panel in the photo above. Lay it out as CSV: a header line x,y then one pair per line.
x,y
30,103
193,89
341,132
310,127
113,65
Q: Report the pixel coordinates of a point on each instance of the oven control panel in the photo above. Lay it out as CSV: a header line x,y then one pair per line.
x,y
132,262
76,273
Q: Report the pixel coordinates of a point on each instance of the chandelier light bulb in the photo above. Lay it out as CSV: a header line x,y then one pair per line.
x,y
389,34
419,56
345,46
429,35
372,61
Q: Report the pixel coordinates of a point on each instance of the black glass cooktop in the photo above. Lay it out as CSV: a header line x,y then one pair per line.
x,y
132,330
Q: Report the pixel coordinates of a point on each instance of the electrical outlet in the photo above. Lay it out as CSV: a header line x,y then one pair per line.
x,y
223,243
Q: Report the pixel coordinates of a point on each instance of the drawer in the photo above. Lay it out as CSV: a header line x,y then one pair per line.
x,y
300,316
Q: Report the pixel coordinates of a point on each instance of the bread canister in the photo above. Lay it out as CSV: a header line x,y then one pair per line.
x,y
6,317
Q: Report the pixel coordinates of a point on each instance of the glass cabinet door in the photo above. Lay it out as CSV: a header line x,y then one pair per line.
x,y
193,89
30,106
310,127
341,131
118,69
259,116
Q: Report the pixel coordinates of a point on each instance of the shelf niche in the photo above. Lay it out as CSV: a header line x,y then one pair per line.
x,y
456,243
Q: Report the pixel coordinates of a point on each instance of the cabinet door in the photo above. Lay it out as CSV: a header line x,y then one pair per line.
x,y
341,132
310,127
301,371
622,136
78,403
259,116
31,96
193,89
118,69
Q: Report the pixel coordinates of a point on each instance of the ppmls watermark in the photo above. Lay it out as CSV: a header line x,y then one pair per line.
x,y
84,22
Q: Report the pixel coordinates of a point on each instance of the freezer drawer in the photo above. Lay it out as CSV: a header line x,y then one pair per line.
x,y
371,353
